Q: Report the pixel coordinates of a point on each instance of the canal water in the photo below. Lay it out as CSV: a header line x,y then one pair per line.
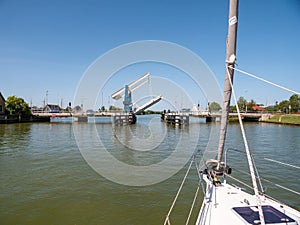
x,y
46,180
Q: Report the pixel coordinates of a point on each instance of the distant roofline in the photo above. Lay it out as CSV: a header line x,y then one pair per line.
x,y
52,105
2,97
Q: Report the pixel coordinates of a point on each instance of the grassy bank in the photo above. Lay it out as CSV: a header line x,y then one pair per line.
x,y
285,119
289,119
234,119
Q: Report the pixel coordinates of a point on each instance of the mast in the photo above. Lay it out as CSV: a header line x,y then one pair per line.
x,y
230,61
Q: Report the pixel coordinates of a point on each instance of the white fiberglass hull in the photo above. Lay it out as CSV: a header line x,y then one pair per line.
x,y
226,204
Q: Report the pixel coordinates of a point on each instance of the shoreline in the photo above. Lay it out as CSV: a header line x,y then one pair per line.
x,y
17,119
281,123
284,119
280,119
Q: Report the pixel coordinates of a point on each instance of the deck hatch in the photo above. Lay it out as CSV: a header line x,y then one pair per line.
x,y
272,215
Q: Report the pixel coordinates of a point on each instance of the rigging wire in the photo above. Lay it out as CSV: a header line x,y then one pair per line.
x,y
284,88
193,160
239,181
200,178
254,165
250,162
262,179
192,207
286,164
266,81
167,221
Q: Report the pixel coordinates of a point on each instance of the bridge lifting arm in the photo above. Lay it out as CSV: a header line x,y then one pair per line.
x,y
132,86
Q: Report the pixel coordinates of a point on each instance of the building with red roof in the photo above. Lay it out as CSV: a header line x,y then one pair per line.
x,y
258,108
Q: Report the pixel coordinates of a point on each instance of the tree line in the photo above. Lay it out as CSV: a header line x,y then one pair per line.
x,y
286,106
17,106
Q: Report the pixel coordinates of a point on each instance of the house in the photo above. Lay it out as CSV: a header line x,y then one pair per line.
x,y
52,108
258,108
2,104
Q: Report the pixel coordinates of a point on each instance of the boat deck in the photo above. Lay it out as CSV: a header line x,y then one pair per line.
x,y
224,203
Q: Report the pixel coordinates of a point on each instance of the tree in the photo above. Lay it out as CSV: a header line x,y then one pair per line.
x,y
77,108
295,102
214,107
232,108
283,106
68,109
17,106
272,108
251,104
242,103
112,108
102,109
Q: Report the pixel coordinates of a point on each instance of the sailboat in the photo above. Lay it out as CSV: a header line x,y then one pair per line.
x,y
225,203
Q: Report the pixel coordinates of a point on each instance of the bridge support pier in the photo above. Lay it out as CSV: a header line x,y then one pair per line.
x,y
123,119
176,118
213,119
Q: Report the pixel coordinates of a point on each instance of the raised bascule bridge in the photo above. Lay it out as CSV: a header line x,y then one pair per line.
x,y
128,116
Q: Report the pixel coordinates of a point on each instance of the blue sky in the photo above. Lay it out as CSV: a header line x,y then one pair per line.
x,y
48,45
